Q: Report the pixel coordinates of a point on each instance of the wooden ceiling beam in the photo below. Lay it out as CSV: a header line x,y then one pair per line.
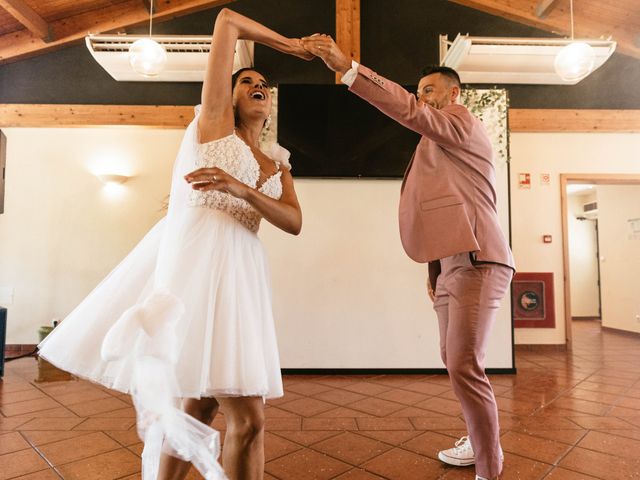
x,y
594,19
24,14
348,28
544,7
179,116
23,44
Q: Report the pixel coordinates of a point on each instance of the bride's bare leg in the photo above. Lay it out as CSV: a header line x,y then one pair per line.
x,y
204,410
243,452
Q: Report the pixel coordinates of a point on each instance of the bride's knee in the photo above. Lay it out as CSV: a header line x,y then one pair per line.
x,y
248,428
203,409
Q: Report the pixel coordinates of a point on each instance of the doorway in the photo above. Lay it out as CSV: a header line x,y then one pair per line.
x,y
601,249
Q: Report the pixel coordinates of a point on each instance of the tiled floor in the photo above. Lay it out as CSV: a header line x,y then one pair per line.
x,y
564,417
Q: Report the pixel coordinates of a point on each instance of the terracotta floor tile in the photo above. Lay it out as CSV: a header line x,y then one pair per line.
x,y
564,474
358,474
366,388
441,405
376,406
569,437
12,442
601,465
437,423
518,407
389,423
128,412
136,448
306,464
106,423
318,423
37,437
94,407
516,467
123,437
41,475
534,448
351,448
600,387
633,434
339,396
28,406
9,386
107,466
307,388
51,423
86,394
426,388
20,396
392,437
275,412
306,437
416,412
399,464
274,424
594,396
343,412
601,423
611,444
406,397
429,444
338,381
288,397
72,449
21,463
307,407
397,381
581,406
275,446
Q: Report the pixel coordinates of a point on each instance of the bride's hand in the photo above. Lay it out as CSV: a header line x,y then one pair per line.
x,y
298,50
204,179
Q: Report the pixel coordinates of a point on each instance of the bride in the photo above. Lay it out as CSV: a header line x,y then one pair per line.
x,y
187,314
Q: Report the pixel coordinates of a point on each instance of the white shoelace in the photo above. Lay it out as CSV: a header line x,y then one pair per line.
x,y
463,445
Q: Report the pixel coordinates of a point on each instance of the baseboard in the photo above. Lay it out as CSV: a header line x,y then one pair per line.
x,y
15,349
619,331
560,347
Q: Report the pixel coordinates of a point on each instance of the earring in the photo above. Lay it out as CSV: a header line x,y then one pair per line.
x,y
267,122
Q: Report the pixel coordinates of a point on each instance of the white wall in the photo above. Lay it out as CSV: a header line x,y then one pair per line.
x,y
537,211
345,294
583,259
619,256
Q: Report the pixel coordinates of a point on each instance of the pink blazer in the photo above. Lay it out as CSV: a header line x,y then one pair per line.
x,y
448,199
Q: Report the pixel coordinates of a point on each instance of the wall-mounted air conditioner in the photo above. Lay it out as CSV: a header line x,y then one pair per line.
x,y
186,56
496,60
590,210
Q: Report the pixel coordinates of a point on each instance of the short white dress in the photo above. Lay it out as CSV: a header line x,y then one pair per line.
x,y
207,254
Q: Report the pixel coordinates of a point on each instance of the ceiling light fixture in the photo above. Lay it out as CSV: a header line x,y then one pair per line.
x,y
146,56
576,60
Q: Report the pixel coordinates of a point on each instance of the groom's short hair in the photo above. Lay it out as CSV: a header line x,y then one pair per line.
x,y
448,72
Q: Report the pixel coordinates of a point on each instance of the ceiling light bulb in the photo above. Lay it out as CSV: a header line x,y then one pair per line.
x,y
147,57
575,61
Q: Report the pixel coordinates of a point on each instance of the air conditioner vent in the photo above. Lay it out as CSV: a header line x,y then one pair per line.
x,y
186,56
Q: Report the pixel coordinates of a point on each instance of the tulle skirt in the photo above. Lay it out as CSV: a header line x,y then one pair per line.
x,y
227,344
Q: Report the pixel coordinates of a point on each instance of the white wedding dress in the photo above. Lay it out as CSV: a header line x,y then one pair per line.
x,y
188,312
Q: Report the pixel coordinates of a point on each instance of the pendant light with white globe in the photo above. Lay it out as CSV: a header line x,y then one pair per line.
x,y
146,56
576,60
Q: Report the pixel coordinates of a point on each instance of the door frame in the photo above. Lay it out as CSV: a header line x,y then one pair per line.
x,y
573,178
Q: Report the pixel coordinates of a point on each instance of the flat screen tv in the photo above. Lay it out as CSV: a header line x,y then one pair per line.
x,y
332,132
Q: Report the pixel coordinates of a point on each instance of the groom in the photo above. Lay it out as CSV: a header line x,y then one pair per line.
x,y
448,218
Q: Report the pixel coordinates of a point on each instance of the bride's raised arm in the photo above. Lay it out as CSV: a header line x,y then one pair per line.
x,y
216,117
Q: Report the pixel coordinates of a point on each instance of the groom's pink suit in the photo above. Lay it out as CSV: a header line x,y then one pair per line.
x,y
448,218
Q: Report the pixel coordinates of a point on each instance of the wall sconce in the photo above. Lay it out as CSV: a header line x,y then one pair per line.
x,y
112,179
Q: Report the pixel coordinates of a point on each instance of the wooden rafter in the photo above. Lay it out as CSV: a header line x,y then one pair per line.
x,y
24,14
174,116
544,7
24,43
348,28
593,18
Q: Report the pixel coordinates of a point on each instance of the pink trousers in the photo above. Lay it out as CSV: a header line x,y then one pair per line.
x,y
467,299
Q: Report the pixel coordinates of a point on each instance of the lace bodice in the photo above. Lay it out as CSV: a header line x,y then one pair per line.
x,y
234,156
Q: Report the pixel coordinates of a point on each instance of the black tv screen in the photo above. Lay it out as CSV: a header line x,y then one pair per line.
x,y
332,132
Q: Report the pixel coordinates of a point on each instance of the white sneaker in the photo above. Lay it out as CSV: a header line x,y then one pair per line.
x,y
461,455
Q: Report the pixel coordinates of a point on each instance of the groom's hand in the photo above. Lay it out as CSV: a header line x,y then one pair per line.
x,y
324,47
